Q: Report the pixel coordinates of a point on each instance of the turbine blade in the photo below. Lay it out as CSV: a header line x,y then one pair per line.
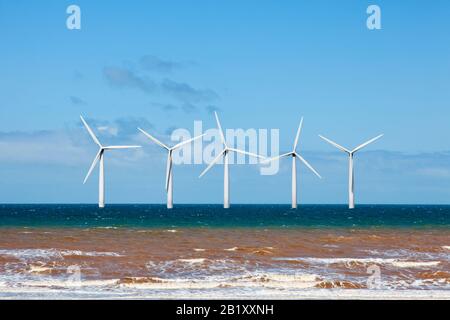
x,y
366,143
154,139
168,169
335,144
94,163
276,158
182,143
298,133
246,153
308,165
91,133
212,163
222,137
121,147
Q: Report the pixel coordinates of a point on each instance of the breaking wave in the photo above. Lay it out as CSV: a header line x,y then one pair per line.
x,y
31,254
350,262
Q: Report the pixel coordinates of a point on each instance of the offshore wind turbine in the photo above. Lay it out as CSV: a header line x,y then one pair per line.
x,y
351,179
224,153
99,158
294,155
169,165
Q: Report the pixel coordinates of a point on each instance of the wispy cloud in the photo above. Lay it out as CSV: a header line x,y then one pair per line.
x,y
72,145
125,78
77,75
136,78
123,128
77,101
127,126
41,147
434,172
169,107
186,93
189,107
154,63
170,130
389,165
210,109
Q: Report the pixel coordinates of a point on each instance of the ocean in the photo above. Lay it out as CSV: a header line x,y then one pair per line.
x,y
204,251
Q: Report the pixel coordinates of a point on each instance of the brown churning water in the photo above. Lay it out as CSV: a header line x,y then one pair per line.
x,y
190,262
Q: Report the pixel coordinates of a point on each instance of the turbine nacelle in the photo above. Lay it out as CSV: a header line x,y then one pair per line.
x,y
169,165
351,183
294,152
224,154
226,149
99,155
99,158
351,152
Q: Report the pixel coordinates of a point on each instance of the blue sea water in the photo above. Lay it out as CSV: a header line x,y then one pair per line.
x,y
214,216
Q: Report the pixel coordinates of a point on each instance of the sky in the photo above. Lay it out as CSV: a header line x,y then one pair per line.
x,y
161,65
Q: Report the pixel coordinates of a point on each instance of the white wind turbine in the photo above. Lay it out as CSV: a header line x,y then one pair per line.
x,y
169,174
351,195
99,158
224,153
294,154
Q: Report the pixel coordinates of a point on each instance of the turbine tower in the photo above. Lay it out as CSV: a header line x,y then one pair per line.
x,y
99,158
224,153
169,175
351,179
294,155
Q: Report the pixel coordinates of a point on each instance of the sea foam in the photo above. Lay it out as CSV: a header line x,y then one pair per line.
x,y
364,261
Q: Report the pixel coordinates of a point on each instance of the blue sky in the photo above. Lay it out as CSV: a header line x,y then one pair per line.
x,y
261,64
